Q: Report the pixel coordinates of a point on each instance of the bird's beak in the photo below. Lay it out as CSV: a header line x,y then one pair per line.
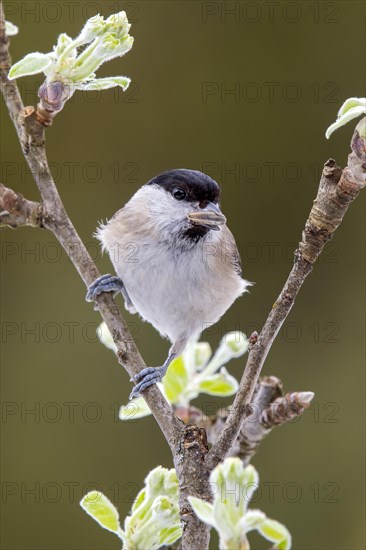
x,y
210,217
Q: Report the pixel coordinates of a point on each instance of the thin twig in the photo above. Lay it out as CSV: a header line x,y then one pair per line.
x,y
9,88
16,211
187,443
337,190
270,409
56,219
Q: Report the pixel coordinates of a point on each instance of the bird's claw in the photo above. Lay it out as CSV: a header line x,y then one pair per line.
x,y
146,378
105,283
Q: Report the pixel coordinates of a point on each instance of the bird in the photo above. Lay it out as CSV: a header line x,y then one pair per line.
x,y
177,262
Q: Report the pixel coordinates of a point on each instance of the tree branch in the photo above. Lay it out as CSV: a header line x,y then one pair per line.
x,y
8,88
56,219
16,211
270,409
187,443
192,459
337,189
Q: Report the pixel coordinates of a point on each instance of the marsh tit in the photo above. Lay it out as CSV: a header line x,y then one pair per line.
x,y
176,261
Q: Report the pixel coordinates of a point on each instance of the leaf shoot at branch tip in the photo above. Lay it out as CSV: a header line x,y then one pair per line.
x,y
100,40
234,486
352,108
154,518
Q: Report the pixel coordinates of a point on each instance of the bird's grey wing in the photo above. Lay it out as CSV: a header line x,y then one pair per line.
x,y
232,250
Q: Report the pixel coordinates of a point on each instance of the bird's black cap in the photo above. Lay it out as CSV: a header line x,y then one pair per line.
x,y
198,186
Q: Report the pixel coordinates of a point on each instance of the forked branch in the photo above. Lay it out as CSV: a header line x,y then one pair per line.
x,y
188,443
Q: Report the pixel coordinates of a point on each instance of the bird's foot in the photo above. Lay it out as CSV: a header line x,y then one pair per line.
x,y
105,283
146,378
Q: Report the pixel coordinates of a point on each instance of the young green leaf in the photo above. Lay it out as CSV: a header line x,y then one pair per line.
x,y
32,63
351,108
139,500
105,83
169,536
11,29
222,384
105,337
252,520
175,380
276,532
100,508
65,43
233,344
136,408
201,355
202,509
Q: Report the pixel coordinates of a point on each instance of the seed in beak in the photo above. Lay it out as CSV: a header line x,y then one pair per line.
x,y
210,217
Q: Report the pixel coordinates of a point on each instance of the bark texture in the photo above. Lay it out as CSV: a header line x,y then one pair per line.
x,y
258,406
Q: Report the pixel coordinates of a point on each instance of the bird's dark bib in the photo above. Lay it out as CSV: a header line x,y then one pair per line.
x,y
195,233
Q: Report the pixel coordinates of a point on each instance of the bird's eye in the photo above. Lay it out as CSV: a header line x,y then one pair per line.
x,y
179,193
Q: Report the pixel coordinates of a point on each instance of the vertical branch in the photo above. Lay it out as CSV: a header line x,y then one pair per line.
x,y
186,442
31,132
9,88
337,189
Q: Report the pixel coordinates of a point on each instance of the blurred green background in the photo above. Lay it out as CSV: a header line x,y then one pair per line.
x,y
244,91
